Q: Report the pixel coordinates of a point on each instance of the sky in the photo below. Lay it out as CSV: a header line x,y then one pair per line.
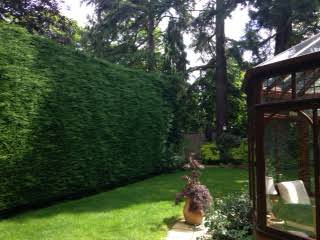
x,y
77,11
234,26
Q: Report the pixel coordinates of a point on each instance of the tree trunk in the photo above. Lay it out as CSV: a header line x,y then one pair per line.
x,y
221,70
151,47
284,32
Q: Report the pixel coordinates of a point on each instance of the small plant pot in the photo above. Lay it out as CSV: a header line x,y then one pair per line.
x,y
193,218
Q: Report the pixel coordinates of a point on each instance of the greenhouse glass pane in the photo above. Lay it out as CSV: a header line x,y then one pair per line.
x,y
308,46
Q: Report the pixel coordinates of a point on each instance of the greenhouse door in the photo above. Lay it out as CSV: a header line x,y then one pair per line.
x,y
287,170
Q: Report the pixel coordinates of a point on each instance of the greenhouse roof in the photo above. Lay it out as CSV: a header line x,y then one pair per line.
x,y
308,46
305,55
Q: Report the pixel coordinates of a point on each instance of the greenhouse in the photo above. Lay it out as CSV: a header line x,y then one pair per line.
x,y
283,110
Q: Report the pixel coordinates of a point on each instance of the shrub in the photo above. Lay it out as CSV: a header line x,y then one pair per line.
x,y
228,149
70,123
210,153
230,218
239,154
225,142
173,158
228,140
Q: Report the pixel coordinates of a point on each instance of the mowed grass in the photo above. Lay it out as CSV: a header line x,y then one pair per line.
x,y
139,211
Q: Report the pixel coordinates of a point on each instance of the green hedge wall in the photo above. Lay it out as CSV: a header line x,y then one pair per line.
x,y
69,122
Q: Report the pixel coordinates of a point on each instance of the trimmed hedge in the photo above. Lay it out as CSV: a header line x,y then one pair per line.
x,y
70,123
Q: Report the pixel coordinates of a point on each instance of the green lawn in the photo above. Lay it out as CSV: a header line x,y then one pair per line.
x,y
297,217
135,212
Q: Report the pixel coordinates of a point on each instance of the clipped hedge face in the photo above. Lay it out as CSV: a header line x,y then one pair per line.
x,y
70,123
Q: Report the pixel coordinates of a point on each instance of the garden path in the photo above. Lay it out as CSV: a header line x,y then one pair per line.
x,y
183,231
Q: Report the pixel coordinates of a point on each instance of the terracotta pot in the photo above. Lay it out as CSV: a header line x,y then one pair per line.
x,y
194,218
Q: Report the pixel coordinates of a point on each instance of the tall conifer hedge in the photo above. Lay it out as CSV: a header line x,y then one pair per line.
x,y
70,123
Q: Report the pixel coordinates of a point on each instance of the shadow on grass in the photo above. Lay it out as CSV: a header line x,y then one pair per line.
x,y
168,222
220,182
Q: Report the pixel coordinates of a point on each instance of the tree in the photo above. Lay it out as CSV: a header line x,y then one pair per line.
x,y
204,94
201,102
221,69
126,27
40,16
277,25
210,39
175,56
128,32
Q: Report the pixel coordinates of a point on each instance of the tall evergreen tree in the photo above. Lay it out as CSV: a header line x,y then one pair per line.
x,y
175,56
129,30
209,28
221,69
277,25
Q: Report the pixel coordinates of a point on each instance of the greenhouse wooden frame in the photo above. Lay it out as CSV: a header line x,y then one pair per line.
x,y
288,83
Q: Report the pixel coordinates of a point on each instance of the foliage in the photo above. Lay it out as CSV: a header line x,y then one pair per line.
x,y
239,154
230,218
194,120
210,153
128,32
144,208
174,156
276,25
236,99
209,39
226,142
42,17
175,55
228,148
198,194
202,106
70,123
176,97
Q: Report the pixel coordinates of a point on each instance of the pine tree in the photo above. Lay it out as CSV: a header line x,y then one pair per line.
x,y
277,25
128,31
175,61
209,28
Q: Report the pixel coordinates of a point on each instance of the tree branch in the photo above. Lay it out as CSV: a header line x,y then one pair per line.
x,y
201,67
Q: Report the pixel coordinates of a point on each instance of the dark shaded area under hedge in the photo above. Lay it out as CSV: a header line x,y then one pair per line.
x,y
70,123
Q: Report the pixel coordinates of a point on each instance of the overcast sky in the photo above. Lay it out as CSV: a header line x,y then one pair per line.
x,y
235,25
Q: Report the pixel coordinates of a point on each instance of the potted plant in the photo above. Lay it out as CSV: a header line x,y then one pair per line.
x,y
197,196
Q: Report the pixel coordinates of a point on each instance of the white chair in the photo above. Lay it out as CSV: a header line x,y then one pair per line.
x,y
270,191
294,192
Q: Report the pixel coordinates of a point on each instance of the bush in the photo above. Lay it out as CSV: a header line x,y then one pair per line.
x,y
239,154
230,218
233,149
226,149
70,123
228,140
225,142
174,158
210,153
